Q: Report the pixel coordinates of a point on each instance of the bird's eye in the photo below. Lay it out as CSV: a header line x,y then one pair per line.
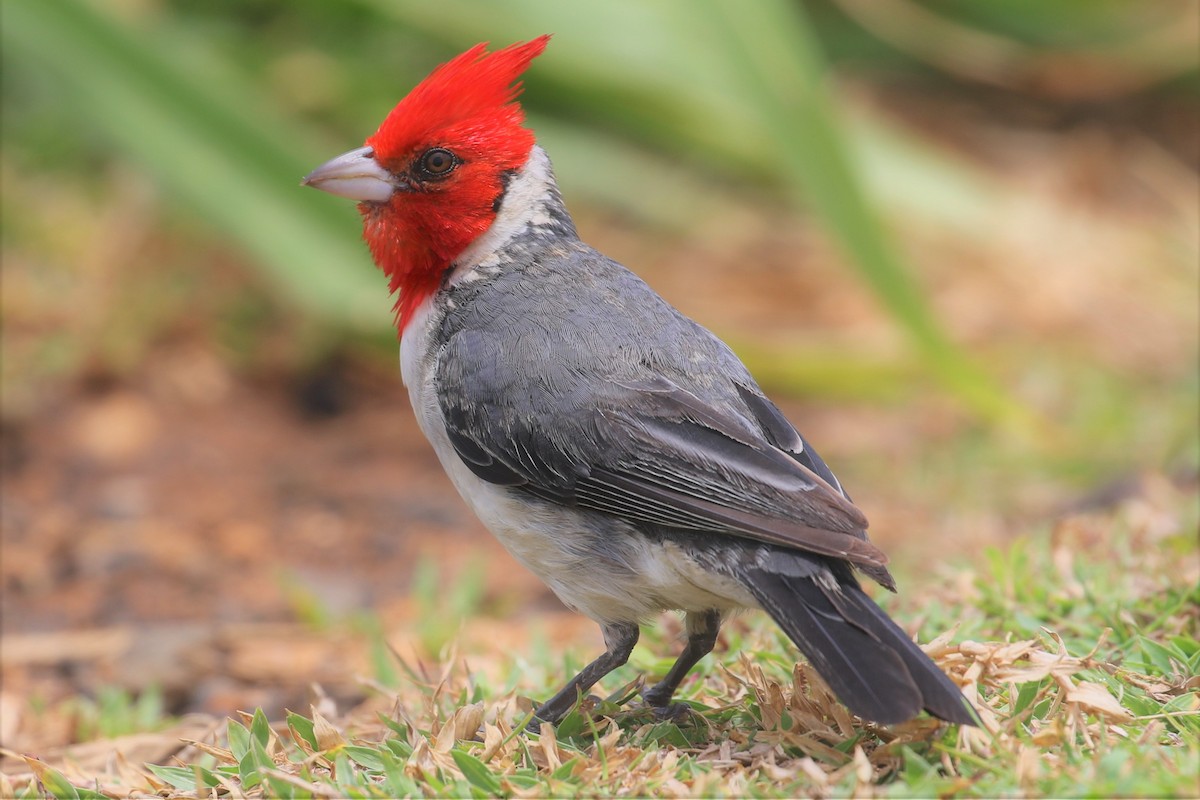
x,y
437,162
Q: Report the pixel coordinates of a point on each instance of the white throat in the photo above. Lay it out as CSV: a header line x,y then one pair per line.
x,y
523,204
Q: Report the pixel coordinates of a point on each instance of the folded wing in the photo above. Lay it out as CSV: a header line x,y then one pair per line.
x,y
650,451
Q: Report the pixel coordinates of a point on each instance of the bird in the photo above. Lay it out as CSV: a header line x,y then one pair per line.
x,y
616,448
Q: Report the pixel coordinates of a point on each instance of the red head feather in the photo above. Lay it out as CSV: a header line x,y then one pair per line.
x,y
467,107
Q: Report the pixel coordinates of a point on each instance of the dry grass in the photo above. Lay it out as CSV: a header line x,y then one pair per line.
x,y
1079,652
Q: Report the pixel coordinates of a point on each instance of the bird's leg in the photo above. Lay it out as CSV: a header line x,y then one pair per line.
x,y
702,631
619,639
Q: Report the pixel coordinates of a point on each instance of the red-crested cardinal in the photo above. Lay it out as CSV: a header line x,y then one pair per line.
x,y
616,448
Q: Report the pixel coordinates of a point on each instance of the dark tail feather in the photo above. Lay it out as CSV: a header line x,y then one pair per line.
x,y
868,661
940,696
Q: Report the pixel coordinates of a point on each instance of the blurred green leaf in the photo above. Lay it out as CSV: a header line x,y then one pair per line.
x,y
302,728
476,772
772,49
239,740
366,757
260,728
205,149
180,777
55,783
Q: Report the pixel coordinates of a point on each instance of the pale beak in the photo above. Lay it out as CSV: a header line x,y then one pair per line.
x,y
356,175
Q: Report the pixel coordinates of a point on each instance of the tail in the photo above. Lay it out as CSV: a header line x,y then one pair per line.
x,y
868,661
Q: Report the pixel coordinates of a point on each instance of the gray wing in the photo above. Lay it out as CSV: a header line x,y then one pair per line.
x,y
632,410
652,452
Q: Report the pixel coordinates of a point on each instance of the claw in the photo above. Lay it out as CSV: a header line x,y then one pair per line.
x,y
674,712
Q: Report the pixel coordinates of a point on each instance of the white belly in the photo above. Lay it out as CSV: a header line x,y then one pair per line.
x,y
628,578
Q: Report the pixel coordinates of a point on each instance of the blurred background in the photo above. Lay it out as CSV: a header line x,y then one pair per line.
x,y
957,241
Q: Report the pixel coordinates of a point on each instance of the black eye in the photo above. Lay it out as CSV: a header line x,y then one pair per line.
x,y
437,162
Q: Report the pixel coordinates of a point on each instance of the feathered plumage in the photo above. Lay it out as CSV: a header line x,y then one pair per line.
x,y
616,448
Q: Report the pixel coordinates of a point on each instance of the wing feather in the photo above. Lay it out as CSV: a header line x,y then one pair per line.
x,y
662,456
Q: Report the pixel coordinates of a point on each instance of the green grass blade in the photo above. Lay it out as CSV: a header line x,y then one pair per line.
x,y
774,52
476,772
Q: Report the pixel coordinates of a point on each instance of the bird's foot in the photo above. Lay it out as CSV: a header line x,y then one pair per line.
x,y
673,712
547,716
658,699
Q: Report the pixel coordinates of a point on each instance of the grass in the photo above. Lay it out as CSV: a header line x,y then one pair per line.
x,y
1077,644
